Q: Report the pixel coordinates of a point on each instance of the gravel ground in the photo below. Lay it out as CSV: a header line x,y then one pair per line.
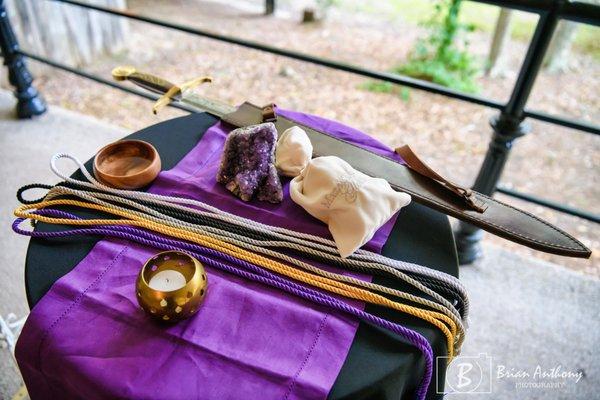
x,y
554,162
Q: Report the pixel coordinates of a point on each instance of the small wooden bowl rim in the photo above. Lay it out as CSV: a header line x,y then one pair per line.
x,y
135,142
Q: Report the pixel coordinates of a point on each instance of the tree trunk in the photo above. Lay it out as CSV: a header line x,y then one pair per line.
x,y
67,33
557,56
497,59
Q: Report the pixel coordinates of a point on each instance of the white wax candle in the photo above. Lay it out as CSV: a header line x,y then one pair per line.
x,y
167,280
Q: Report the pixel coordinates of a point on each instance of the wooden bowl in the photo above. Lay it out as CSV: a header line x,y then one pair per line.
x,y
127,164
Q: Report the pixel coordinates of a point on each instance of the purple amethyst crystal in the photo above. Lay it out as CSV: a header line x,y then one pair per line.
x,y
248,163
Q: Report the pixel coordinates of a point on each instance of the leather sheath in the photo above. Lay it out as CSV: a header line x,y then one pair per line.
x,y
497,217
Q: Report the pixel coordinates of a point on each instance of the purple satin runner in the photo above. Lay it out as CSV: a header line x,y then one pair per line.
x,y
86,338
205,255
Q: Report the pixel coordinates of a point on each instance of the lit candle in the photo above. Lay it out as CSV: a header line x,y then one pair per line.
x,y
167,280
171,286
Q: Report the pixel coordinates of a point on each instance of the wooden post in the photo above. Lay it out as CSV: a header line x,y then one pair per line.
x,y
269,7
68,33
497,59
557,58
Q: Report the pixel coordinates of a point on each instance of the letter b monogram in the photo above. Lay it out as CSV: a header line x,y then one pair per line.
x,y
463,379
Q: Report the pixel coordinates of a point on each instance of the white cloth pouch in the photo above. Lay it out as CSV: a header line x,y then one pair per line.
x,y
352,204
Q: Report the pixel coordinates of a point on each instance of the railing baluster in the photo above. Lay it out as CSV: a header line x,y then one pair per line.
x,y
508,127
29,101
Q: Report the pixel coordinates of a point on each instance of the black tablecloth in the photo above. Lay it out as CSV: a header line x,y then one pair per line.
x,y
379,365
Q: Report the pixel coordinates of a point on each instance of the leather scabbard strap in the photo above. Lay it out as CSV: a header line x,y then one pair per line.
x,y
269,113
416,164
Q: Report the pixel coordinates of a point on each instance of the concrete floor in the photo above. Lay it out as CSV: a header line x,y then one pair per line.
x,y
25,150
526,314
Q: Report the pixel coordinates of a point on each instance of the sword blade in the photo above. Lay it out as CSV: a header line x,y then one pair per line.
x,y
213,107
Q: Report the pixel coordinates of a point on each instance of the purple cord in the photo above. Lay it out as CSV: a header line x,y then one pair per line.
x,y
258,274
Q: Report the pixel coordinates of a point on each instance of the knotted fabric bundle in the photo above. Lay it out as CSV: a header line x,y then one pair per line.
x,y
293,152
352,204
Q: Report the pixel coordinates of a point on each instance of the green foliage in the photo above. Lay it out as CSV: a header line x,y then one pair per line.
x,y
378,87
439,58
326,4
387,87
481,16
587,40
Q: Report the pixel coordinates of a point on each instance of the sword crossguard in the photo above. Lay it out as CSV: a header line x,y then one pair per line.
x,y
175,92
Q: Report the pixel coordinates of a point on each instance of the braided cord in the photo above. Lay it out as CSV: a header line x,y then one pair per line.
x,y
25,188
322,254
251,272
331,285
256,246
359,254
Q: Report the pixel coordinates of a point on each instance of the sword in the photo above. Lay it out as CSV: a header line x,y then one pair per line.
x,y
414,177
169,92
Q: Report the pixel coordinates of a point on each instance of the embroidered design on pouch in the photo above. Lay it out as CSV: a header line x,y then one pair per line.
x,y
345,186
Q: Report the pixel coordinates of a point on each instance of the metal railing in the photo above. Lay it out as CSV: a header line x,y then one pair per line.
x,y
509,125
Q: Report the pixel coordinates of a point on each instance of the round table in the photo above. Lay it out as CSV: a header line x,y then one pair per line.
x,y
378,365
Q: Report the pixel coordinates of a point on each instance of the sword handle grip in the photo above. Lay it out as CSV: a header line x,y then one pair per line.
x,y
144,80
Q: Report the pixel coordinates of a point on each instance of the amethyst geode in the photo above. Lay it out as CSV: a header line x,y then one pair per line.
x,y
248,163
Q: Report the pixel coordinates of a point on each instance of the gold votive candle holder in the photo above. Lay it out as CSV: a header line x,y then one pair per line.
x,y
171,286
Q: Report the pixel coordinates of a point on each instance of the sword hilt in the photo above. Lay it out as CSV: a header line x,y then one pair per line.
x,y
169,91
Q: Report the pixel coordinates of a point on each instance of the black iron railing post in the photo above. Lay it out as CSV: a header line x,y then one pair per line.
x,y
29,101
508,126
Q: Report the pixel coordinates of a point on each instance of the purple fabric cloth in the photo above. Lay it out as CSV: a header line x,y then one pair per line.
x,y
87,338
